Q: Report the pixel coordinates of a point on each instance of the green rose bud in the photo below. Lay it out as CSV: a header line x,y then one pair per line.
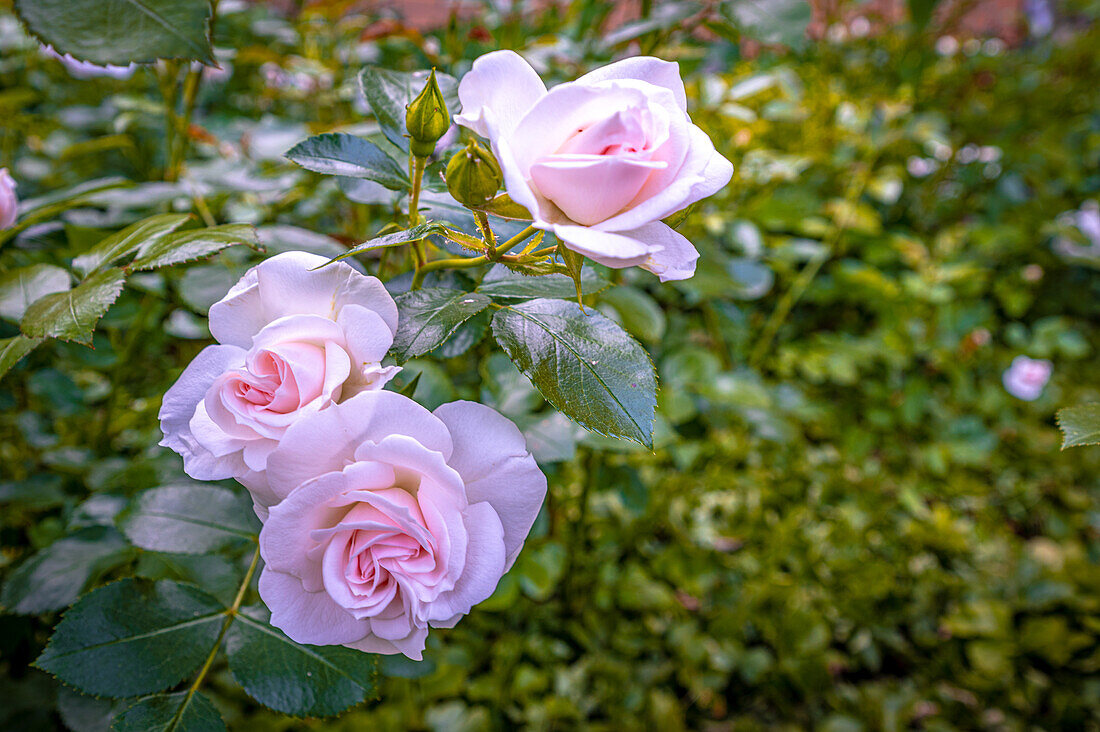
x,y
427,119
473,175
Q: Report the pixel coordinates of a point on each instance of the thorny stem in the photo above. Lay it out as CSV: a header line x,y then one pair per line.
x,y
230,616
497,255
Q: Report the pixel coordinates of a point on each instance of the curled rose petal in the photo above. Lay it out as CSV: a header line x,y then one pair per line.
x,y
405,521
600,160
295,340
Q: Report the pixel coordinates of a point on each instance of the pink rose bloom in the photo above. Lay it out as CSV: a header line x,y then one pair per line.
x,y
293,341
393,518
1026,377
9,202
601,160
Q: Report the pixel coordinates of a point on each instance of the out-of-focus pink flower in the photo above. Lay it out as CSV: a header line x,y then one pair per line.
x,y
1026,377
87,70
9,202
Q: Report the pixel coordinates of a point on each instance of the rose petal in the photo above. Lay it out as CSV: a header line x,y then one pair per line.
x,y
703,173
326,441
616,249
286,540
591,188
485,564
307,617
673,257
491,455
180,403
412,646
645,68
501,86
288,284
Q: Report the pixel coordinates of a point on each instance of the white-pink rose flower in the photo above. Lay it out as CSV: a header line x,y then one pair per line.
x,y
391,519
9,202
293,341
601,160
1026,377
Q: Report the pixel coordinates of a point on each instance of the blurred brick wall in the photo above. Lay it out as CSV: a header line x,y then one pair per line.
x,y
964,18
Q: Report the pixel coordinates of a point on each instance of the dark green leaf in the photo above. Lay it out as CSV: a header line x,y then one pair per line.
x,y
504,283
22,286
306,681
54,577
14,348
1080,425
585,365
426,318
188,245
83,713
136,237
122,31
133,637
184,711
72,315
339,153
416,233
389,92
214,573
189,519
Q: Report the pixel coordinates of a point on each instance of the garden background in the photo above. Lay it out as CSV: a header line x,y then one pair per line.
x,y
847,522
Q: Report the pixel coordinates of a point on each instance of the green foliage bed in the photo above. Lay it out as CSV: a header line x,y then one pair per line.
x,y
846,522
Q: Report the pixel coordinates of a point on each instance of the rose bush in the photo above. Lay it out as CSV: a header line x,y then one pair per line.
x,y
292,341
393,518
601,160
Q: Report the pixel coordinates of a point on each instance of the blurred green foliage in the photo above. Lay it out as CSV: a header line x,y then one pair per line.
x,y
847,522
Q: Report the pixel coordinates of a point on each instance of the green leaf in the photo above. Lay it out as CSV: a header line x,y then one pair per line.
x,y
189,519
1080,425
504,207
122,31
585,365
13,349
72,315
133,637
306,681
389,92
428,317
780,22
502,282
638,312
409,389
136,237
339,153
416,233
184,711
188,245
21,287
55,576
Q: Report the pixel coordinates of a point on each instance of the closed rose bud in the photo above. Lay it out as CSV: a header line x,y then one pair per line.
x,y
8,200
427,119
473,175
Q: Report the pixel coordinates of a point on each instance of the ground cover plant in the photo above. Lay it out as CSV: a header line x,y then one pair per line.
x,y
814,479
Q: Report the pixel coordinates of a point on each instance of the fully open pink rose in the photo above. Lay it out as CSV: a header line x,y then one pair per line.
x,y
9,203
293,342
392,518
601,160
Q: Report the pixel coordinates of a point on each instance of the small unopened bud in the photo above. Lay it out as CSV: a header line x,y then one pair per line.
x,y
473,175
427,119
